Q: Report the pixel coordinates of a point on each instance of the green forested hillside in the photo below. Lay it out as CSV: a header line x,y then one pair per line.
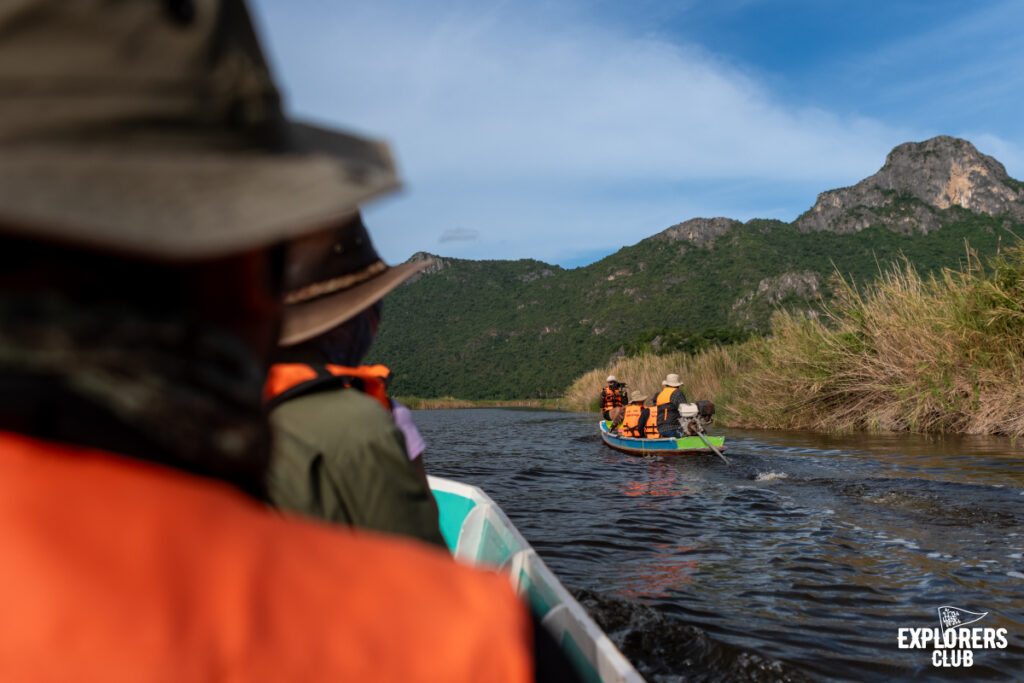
x,y
523,329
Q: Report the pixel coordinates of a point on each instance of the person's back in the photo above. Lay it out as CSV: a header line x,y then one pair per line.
x,y
667,405
147,180
634,417
115,569
338,453
338,457
648,423
630,419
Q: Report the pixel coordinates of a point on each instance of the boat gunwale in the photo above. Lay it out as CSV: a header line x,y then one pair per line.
x,y
566,618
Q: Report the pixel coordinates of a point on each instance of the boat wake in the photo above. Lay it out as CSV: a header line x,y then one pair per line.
x,y
666,650
770,476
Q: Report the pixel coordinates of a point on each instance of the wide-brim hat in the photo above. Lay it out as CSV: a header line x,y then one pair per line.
x,y
672,380
639,397
331,276
155,129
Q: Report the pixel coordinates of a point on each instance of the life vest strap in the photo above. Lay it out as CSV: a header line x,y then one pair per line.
x,y
286,381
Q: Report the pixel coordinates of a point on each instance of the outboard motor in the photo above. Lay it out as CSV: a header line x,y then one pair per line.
x,y
693,417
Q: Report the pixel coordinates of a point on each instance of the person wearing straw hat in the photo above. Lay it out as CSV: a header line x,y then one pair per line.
x,y
148,181
338,453
667,407
634,419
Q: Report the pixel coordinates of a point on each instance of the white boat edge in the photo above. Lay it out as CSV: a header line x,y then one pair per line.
x,y
479,533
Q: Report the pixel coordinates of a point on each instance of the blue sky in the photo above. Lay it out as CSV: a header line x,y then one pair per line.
x,y
564,129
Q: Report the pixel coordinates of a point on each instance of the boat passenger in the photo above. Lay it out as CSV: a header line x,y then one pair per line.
x,y
339,454
634,419
649,423
613,400
147,180
667,404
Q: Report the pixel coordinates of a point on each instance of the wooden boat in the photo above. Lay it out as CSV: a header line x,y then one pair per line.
x,y
687,445
479,533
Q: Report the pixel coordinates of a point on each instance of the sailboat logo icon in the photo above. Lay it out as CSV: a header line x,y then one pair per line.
x,y
952,617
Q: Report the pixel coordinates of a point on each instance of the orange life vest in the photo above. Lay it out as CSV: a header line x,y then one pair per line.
x,y
285,380
651,428
610,398
631,422
631,419
117,569
664,404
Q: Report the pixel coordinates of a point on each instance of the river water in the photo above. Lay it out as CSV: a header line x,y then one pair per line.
x,y
801,560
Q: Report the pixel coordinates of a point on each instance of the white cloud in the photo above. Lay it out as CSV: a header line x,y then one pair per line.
x,y
487,92
459,235
511,124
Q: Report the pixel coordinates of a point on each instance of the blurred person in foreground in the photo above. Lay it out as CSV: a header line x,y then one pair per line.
x,y
147,179
339,453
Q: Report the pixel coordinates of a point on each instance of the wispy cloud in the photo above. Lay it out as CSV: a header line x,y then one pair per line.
x,y
489,93
960,76
536,126
459,235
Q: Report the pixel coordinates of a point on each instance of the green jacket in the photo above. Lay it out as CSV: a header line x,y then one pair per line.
x,y
339,456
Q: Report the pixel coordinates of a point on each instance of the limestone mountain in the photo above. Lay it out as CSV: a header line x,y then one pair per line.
x,y
917,179
519,329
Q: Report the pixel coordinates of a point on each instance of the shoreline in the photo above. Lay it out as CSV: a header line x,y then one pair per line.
x,y
936,354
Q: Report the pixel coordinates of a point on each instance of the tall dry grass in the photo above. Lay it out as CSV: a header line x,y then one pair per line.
x,y
938,354
706,375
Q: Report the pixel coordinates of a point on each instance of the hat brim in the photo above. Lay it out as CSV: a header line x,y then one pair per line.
x,y
670,384
191,196
306,320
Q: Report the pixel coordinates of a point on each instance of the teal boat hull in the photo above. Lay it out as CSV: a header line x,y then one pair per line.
x,y
478,533
687,445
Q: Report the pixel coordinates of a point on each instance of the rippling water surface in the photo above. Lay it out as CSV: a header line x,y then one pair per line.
x,y
799,561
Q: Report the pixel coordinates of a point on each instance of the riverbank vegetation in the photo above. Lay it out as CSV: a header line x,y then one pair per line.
x,y
709,374
936,353
525,329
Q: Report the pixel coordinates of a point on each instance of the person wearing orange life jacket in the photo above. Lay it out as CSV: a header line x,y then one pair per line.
x,y
338,453
667,405
613,399
140,244
651,425
634,419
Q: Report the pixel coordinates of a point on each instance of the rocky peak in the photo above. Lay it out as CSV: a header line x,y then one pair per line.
x,y
435,264
947,172
771,291
940,173
697,231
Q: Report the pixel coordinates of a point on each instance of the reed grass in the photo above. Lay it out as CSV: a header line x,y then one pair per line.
x,y
936,354
943,353
708,374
